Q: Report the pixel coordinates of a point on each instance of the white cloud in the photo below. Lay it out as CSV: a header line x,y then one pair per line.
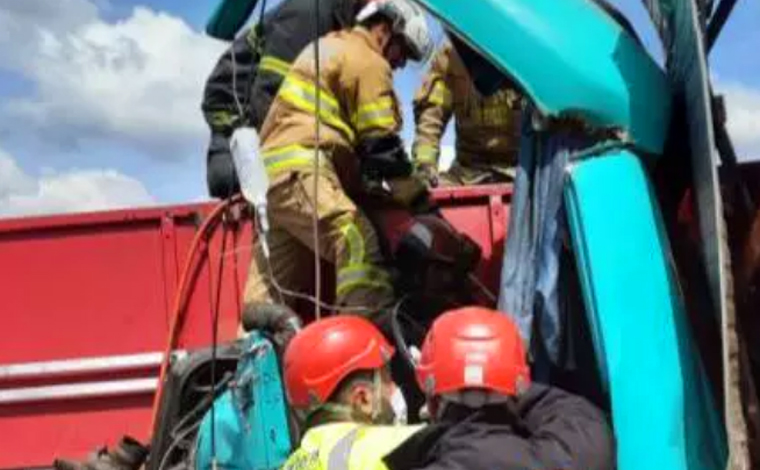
x,y
67,191
743,109
138,81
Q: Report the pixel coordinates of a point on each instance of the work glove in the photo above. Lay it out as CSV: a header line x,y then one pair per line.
x,y
277,319
407,191
428,174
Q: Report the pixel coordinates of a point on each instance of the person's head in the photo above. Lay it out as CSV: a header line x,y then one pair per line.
x,y
336,369
472,357
399,27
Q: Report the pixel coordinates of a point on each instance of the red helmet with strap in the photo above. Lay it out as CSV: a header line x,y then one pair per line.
x,y
473,348
327,351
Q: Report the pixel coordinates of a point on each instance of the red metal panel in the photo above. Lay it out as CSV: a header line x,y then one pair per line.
x,y
91,285
86,290
34,435
169,259
103,284
481,212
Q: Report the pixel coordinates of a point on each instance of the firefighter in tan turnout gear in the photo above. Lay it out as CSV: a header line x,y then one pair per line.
x,y
359,113
487,128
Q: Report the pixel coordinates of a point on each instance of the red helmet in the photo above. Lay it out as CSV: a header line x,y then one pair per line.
x,y
473,348
325,352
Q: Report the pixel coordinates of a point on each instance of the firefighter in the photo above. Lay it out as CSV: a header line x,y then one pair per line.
x,y
242,92
359,118
487,127
485,412
338,385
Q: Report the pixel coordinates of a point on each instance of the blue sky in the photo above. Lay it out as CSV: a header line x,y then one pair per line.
x,y
99,99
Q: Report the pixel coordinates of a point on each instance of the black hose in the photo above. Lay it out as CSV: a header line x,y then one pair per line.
x,y
214,332
398,335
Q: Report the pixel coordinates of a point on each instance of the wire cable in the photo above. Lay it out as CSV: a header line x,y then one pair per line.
x,y
315,188
181,296
309,298
234,83
215,303
314,300
398,335
283,291
176,442
236,264
486,291
251,76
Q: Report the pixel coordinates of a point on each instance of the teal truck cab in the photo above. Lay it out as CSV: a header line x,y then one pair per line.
x,y
578,59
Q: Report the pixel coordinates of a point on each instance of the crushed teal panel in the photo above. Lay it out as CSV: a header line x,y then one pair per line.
x,y
663,410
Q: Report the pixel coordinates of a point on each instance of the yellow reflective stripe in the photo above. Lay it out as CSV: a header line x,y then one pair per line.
x,y
380,113
440,94
287,158
362,275
274,65
354,241
426,154
496,113
309,87
252,38
302,95
222,118
385,102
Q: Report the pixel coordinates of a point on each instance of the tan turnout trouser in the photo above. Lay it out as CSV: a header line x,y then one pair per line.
x,y
346,239
459,175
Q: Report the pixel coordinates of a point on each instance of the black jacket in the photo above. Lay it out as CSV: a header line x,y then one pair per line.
x,y
282,33
555,430
291,28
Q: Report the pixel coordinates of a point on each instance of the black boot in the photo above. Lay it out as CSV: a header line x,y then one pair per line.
x,y
129,454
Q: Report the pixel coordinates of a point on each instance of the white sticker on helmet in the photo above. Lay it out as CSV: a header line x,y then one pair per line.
x,y
473,374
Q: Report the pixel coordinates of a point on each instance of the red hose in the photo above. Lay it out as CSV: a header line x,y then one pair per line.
x,y
178,312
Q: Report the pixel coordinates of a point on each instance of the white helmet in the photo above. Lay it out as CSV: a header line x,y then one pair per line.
x,y
408,21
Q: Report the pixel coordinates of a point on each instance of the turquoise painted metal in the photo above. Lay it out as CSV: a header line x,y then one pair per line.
x,y
569,56
252,431
663,412
228,18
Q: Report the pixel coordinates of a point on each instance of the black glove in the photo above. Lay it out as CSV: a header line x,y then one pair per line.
x,y
383,158
410,192
221,175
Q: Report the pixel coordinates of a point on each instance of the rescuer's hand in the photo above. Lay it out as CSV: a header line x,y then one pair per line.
x,y
428,174
407,191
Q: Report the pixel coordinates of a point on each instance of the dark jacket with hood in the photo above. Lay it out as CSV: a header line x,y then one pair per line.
x,y
552,430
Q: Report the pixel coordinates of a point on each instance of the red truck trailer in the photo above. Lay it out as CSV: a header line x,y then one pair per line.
x,y
87,306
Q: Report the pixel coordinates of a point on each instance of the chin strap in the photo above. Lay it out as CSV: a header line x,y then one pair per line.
x,y
377,405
